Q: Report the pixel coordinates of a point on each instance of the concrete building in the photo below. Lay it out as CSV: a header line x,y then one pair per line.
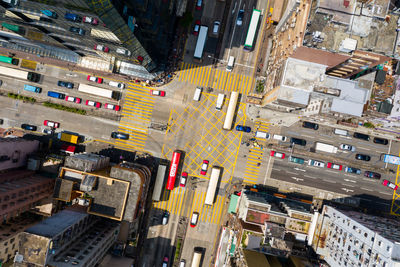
x,y
349,238
22,190
68,238
87,162
14,152
117,193
131,37
279,223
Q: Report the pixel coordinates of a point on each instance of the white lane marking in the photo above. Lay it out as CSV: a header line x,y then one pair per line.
x,y
364,148
347,190
384,193
332,171
291,172
369,180
366,189
308,136
349,185
351,181
329,181
352,176
312,177
297,169
297,179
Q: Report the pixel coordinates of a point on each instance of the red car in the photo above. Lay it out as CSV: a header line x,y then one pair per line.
x,y
204,167
94,79
101,48
112,107
73,99
93,104
390,184
278,155
157,92
199,4
51,124
196,28
334,166
184,177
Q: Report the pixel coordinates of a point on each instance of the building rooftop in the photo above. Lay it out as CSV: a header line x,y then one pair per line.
x,y
56,224
333,22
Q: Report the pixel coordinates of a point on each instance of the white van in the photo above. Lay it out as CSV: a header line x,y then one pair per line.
x,y
117,84
280,137
231,62
263,135
197,94
341,132
220,101
182,263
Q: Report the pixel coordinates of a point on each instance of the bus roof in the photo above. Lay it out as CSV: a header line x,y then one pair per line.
x,y
251,33
201,41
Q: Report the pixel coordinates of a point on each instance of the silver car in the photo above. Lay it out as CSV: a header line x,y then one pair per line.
x,y
347,147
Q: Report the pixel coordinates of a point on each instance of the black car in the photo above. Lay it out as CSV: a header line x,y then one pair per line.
x,y
361,136
363,157
374,175
28,127
118,135
381,141
79,31
65,84
298,141
310,125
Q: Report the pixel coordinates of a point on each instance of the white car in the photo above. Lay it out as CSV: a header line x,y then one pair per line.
x,y
123,51
316,163
347,147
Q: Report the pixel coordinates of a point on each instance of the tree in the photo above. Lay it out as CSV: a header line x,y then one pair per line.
x,y
186,19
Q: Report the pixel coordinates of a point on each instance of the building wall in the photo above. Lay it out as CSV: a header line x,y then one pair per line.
x,y
14,152
8,247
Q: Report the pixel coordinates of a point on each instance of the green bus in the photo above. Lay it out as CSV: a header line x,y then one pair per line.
x,y
9,60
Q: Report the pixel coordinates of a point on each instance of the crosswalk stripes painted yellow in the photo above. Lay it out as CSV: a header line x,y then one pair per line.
x,y
136,117
254,158
206,76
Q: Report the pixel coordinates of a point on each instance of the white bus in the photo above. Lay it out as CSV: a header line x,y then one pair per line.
x,y
201,41
196,258
251,32
212,185
231,111
84,88
158,186
20,74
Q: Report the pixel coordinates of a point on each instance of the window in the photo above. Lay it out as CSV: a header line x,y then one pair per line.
x,y
365,235
388,248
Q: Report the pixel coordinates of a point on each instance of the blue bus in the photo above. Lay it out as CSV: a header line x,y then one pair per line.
x,y
32,88
55,95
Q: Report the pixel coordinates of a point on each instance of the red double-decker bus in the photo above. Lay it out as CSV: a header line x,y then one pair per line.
x,y
173,169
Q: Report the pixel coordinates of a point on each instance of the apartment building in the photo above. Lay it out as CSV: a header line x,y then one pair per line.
x,y
14,152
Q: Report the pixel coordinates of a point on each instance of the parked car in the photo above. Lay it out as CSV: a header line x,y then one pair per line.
x,y
204,167
363,157
157,92
196,27
296,160
216,27
194,219
334,166
316,163
51,124
93,103
28,127
347,147
278,155
310,125
101,48
68,85
91,20
381,141
165,262
117,84
239,20
73,99
390,184
371,174
242,128
298,141
94,79
352,170
112,107
183,180
199,3
77,30
119,135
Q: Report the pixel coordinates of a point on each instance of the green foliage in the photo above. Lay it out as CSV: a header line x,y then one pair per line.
x,y
21,97
186,20
369,125
260,86
178,249
65,108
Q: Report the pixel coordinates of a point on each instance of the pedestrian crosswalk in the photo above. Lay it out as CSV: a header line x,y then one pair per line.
x,y
135,117
255,156
174,202
207,76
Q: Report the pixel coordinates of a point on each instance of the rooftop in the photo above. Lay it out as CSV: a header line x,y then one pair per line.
x,y
331,22
56,224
